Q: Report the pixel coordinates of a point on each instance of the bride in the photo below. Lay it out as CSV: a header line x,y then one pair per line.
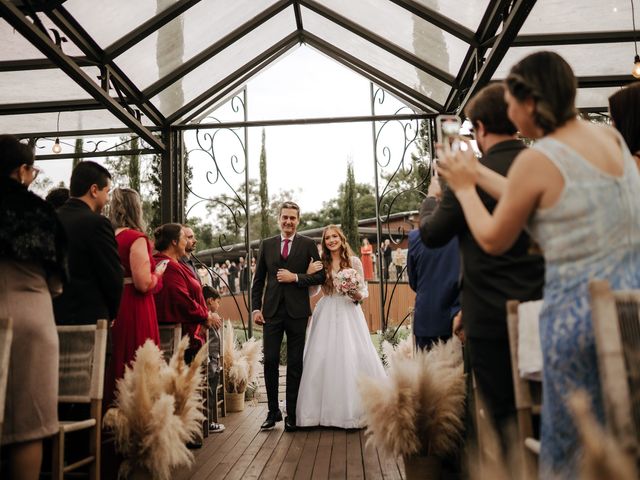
x,y
339,348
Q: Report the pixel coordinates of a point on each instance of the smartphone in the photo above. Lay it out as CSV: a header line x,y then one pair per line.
x,y
161,264
448,130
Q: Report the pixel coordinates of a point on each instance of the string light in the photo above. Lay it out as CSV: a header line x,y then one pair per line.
x,y
636,61
57,148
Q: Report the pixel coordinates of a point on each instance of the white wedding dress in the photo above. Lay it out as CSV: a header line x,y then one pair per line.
x,y
337,352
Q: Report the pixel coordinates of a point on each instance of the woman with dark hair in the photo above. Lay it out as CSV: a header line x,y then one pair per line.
x,y
136,319
180,300
624,106
576,190
32,268
339,348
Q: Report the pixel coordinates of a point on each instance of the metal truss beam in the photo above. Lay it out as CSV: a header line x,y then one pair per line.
x,y
511,26
147,28
335,53
40,64
237,84
108,153
552,39
50,107
378,41
95,132
298,14
450,26
283,45
491,21
69,25
216,48
603,81
43,43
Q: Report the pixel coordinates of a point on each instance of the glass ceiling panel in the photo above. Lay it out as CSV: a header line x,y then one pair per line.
x,y
376,57
468,13
585,59
42,86
107,21
594,97
69,121
16,47
226,62
168,48
561,16
406,30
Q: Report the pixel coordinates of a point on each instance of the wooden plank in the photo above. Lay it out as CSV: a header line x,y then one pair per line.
x,y
246,459
260,460
323,456
355,468
308,456
275,461
390,469
372,470
290,463
228,462
338,467
217,455
232,422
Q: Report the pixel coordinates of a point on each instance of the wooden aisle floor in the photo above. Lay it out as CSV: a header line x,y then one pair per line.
x,y
244,452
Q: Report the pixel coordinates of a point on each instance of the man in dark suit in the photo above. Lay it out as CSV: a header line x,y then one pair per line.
x,y
434,275
488,280
283,261
95,274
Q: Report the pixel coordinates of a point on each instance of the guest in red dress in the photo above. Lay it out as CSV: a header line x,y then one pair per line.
x,y
136,320
180,300
366,255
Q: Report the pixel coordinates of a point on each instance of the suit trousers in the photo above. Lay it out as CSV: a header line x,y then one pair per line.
x,y
490,360
273,331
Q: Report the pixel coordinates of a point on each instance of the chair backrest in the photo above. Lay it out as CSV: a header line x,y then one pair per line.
x,y
170,336
6,335
82,362
616,324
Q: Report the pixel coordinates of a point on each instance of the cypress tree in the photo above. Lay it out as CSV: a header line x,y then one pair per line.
x,y
264,192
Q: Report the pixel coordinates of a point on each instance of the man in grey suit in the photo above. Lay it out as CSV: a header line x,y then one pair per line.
x,y
282,263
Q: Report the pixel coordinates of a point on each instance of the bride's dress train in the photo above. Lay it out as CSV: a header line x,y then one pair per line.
x,y
338,351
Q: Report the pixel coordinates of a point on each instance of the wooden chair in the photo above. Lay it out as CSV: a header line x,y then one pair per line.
x,y
616,324
81,380
170,336
6,336
528,397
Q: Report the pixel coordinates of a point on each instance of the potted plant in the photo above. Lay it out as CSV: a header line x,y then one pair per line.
x,y
416,413
241,367
158,411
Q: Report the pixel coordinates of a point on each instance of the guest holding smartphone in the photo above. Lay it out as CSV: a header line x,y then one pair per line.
x,y
136,320
180,300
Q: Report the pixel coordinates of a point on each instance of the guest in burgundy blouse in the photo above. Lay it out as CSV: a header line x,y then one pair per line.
x,y
180,300
136,320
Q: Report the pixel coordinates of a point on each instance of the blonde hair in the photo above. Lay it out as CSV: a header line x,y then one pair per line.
x,y
345,257
126,209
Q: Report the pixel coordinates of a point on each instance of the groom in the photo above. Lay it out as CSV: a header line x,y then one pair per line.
x,y
283,262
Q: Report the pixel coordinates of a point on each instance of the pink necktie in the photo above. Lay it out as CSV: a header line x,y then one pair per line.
x,y
285,249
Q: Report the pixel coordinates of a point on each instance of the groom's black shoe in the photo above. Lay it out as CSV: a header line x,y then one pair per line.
x,y
290,424
272,418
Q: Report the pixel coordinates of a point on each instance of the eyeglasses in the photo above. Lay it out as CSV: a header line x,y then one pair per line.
x,y
35,170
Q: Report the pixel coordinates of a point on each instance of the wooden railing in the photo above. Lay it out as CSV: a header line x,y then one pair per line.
x,y
401,304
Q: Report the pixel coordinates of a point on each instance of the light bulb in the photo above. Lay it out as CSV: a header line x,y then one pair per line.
x,y
56,146
636,67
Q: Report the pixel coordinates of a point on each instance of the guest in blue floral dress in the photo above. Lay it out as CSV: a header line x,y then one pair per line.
x,y
576,189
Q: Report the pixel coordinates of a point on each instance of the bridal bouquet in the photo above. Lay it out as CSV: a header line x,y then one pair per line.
x,y
347,282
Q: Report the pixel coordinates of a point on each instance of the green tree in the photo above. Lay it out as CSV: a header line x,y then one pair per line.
x,y
151,199
77,151
349,219
265,231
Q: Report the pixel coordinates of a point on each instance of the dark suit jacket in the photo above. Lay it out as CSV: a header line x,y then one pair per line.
x,y
487,281
95,274
295,295
434,275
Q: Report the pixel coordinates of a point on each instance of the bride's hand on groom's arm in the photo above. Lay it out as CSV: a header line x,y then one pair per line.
x,y
285,276
314,267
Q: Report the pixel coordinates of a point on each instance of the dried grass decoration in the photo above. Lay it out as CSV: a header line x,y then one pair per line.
x,y
241,363
418,409
158,410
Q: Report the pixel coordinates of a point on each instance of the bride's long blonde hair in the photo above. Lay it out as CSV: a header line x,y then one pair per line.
x,y
345,257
